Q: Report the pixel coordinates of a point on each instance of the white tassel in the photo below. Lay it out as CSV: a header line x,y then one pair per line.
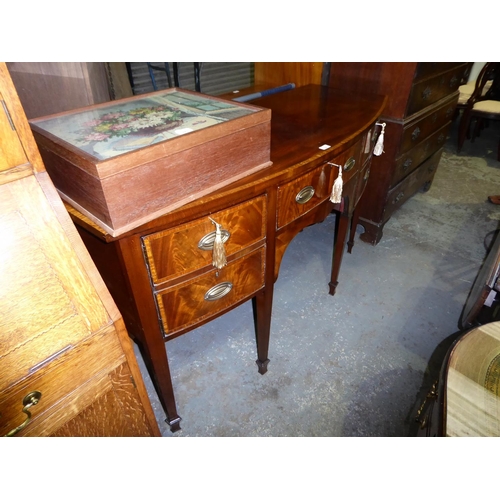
x,y
336,196
379,147
218,251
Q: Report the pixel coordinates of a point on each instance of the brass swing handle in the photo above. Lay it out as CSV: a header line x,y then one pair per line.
x,y
29,400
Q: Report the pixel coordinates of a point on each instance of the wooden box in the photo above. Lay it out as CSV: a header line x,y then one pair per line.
x,y
129,161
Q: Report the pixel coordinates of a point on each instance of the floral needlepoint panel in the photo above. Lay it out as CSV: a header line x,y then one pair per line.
x,y
119,128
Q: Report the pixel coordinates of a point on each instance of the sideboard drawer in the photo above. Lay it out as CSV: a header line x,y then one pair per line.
x,y
303,194
175,252
435,88
408,162
195,301
299,196
368,143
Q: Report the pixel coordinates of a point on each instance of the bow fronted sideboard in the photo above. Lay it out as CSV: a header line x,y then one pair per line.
x,y
163,273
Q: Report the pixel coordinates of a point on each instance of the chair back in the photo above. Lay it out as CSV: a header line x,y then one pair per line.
x,y
490,72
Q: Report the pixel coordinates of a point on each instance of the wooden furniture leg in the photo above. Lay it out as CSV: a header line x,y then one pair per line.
x,y
341,227
150,337
262,308
352,230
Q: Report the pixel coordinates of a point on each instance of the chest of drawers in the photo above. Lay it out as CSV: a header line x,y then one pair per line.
x,y
161,273
421,101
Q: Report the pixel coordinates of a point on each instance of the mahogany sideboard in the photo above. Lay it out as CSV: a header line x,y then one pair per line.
x,y
67,365
422,98
160,273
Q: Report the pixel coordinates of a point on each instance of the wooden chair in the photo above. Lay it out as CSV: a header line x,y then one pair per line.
x,y
482,105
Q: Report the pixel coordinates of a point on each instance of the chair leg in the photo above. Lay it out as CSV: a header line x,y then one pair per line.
x,y
478,126
463,129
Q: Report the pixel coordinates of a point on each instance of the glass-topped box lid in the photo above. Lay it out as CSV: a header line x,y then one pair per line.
x,y
111,130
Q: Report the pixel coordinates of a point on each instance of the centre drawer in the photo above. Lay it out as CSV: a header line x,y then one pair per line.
x,y
185,248
194,301
301,195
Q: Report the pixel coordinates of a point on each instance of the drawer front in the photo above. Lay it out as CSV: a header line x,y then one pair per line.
x,y
175,252
190,303
55,381
408,162
368,143
431,90
418,130
301,195
409,186
428,69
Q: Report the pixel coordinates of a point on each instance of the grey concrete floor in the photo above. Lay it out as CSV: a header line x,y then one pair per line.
x,y
356,364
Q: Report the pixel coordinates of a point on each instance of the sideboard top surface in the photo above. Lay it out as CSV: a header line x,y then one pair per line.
x,y
307,123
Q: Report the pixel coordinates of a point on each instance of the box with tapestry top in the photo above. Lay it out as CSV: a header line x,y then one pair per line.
x,y
126,162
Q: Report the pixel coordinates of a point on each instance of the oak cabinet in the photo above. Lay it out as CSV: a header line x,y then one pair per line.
x,y
67,367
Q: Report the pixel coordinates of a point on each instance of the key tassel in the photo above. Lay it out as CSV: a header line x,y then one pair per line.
x,y
336,196
379,147
218,251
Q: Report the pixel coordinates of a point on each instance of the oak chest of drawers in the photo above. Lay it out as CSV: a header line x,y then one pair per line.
x,y
67,367
421,101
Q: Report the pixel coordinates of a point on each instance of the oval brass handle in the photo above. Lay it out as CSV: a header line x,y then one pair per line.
x,y
29,400
304,195
218,291
426,93
349,164
407,163
415,134
207,242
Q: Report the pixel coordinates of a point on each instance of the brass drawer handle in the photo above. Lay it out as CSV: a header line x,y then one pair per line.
x,y
415,134
407,163
304,195
207,242
29,400
349,164
426,93
218,291
398,198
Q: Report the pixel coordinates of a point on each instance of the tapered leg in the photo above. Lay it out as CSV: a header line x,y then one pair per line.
x,y
262,310
342,224
157,364
352,230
